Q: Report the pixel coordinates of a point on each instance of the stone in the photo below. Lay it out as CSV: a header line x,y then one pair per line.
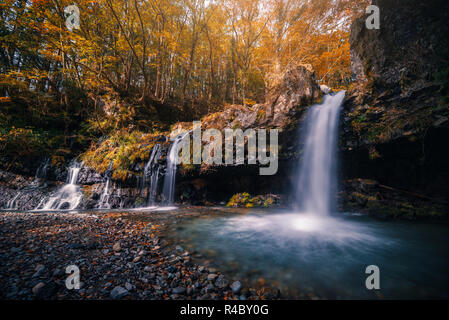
x,y
119,292
179,290
39,271
236,287
117,247
37,287
221,282
128,286
211,276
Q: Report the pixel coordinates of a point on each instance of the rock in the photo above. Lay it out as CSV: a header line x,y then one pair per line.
x,y
221,282
58,272
117,247
210,287
147,269
93,245
119,292
179,290
172,269
128,286
75,246
137,259
236,287
37,287
325,89
47,291
211,276
39,271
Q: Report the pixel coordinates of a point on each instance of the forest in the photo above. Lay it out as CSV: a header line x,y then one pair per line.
x,y
134,68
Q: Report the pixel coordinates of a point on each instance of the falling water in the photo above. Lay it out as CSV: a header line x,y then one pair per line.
x,y
12,204
68,196
151,171
41,172
168,194
104,198
317,174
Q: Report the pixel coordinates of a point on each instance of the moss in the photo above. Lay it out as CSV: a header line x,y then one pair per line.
x,y
124,149
247,201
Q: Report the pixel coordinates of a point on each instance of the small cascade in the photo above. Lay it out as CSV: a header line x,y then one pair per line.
x,y
12,204
68,196
168,193
41,172
149,166
105,196
154,181
119,196
151,172
317,174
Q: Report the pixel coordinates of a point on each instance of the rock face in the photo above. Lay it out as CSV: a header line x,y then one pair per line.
x,y
396,117
402,70
287,98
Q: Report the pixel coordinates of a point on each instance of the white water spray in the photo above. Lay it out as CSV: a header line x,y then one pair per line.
x,y
68,196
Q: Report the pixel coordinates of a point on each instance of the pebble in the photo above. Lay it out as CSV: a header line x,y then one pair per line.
x,y
37,287
117,247
236,287
179,290
211,276
120,262
119,292
221,282
128,286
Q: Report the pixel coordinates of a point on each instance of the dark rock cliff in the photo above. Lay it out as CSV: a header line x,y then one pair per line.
x,y
395,124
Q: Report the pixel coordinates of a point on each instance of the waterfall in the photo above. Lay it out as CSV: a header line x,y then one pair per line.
x,y
168,193
12,204
68,196
41,172
104,198
151,171
317,171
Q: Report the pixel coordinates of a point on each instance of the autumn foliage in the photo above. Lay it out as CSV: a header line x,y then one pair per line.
x,y
144,64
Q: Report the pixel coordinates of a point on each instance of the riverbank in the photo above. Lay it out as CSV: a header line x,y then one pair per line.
x,y
120,256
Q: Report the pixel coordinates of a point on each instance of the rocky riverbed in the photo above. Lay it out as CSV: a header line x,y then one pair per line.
x,y
120,256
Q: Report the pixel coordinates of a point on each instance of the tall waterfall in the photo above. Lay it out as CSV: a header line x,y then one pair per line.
x,y
68,196
168,193
317,171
